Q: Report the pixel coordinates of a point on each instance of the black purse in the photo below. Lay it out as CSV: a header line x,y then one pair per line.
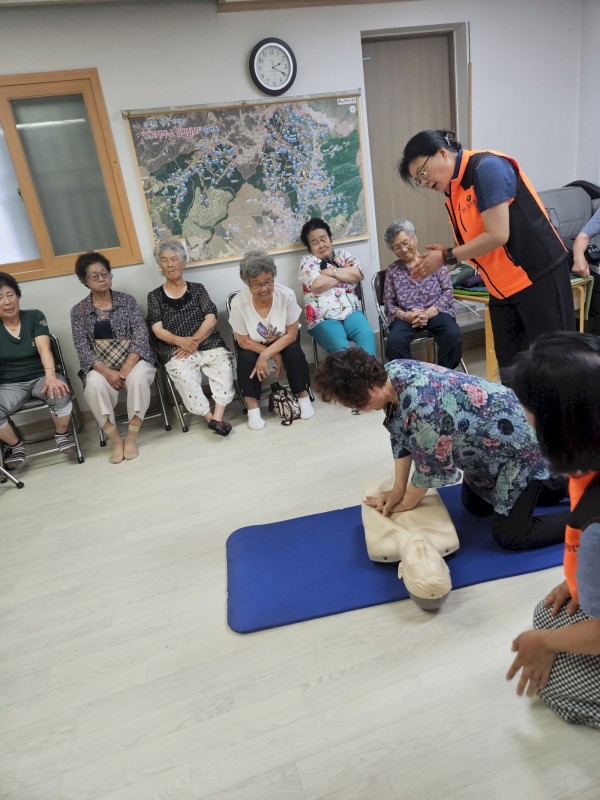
x,y
284,403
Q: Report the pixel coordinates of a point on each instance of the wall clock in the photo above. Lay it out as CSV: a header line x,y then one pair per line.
x,y
272,66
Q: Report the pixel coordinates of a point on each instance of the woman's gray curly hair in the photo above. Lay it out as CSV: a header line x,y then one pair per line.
x,y
396,227
254,262
170,244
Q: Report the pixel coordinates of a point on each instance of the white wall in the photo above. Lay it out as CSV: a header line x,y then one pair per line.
x,y
525,56
588,157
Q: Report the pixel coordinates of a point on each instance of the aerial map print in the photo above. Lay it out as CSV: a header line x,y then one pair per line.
x,y
225,180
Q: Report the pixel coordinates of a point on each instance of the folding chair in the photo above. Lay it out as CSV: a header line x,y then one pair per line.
x,y
76,425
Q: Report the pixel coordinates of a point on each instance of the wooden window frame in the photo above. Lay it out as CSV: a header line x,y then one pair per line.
x,y
46,84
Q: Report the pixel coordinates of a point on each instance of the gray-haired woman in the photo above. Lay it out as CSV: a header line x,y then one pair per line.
x,y
184,320
264,318
412,306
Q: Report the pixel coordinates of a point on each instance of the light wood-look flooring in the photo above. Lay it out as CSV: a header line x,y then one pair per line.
x,y
121,680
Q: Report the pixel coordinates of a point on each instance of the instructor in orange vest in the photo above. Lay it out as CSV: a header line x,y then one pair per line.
x,y
502,228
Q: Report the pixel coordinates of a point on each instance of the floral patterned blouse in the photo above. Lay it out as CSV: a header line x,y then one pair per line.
x,y
449,421
336,303
401,292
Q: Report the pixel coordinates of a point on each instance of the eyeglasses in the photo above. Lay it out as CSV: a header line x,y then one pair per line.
x,y
421,173
96,277
263,285
405,245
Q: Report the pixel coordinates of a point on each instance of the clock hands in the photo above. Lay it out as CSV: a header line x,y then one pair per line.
x,y
274,68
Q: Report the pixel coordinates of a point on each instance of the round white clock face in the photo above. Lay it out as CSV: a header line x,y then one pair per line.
x,y
272,66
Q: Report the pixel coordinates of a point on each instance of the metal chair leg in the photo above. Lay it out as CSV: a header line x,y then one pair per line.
x,y
173,392
6,475
240,397
315,351
80,458
161,399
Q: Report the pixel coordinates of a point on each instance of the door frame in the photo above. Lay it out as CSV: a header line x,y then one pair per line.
x,y
460,64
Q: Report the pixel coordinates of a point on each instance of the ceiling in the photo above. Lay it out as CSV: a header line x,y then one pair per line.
x,y
222,5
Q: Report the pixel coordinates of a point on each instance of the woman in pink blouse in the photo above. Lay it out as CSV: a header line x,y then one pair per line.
x,y
412,306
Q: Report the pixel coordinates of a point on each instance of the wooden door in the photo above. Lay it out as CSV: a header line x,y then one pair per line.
x,y
408,88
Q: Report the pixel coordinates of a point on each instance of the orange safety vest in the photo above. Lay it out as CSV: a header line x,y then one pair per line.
x,y
533,249
577,487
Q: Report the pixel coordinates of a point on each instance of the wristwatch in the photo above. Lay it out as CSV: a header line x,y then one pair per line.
x,y
450,260
334,272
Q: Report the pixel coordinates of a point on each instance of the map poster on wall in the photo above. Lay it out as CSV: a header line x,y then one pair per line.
x,y
225,180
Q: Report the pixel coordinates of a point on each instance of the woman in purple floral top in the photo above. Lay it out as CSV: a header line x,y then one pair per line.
x,y
412,306
440,422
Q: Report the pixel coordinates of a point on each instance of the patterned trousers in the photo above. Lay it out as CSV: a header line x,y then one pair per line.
x,y
186,373
573,691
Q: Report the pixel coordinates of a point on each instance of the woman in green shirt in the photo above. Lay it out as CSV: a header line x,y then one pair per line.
x,y
27,370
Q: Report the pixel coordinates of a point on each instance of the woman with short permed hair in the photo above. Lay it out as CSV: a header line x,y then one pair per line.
x,y
264,317
442,422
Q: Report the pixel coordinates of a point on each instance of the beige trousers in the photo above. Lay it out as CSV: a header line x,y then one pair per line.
x,y
102,398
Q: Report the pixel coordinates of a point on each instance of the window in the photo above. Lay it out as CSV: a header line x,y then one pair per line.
x,y
61,189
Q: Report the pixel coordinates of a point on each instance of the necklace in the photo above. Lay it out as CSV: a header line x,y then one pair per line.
x,y
14,329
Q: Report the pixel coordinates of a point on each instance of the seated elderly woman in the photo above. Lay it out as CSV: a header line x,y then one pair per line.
x,y
184,320
557,382
264,317
328,279
412,306
27,370
443,421
111,338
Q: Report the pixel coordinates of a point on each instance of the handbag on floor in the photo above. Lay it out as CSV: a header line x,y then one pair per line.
x,y
284,403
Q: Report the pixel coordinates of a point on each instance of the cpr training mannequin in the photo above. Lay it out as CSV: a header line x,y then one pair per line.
x,y
418,539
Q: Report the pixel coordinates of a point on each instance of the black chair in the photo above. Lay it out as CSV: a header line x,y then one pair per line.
x,y
76,425
359,293
166,389
236,348
425,337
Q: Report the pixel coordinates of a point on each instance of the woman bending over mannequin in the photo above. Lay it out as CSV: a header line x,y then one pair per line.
x,y
441,421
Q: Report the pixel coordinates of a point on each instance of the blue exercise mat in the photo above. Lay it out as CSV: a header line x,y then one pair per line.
x,y
318,565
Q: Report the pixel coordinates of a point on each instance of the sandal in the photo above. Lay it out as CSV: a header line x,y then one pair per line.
x,y
220,427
